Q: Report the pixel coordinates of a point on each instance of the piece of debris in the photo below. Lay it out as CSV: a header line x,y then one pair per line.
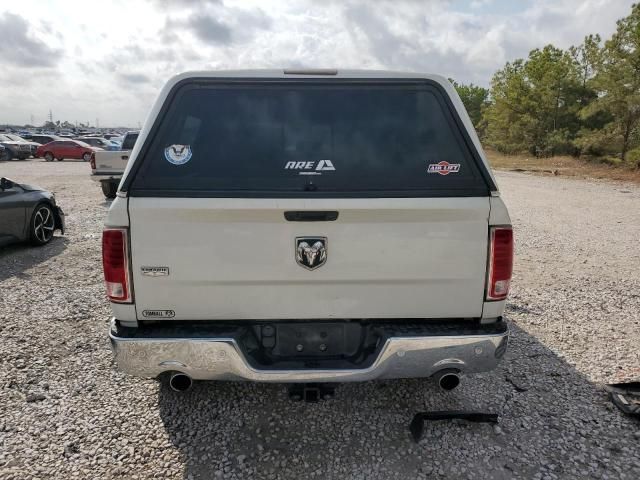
x,y
35,397
417,424
625,396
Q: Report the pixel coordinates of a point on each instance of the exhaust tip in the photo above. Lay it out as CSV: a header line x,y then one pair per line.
x,y
449,381
179,382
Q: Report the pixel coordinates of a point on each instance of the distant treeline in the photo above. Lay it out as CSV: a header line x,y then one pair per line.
x,y
580,101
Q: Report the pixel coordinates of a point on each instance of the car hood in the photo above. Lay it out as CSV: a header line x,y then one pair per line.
x,y
30,188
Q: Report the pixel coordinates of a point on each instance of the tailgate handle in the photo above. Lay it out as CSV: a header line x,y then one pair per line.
x,y
311,216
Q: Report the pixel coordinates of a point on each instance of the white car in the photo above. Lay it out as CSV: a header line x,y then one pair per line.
x,y
307,226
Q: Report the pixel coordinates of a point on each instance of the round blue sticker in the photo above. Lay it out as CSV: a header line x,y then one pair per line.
x,y
178,154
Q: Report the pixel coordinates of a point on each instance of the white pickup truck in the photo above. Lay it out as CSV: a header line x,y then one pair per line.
x,y
107,166
307,226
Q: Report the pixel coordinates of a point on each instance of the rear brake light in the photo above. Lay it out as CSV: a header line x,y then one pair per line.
x,y
93,161
115,262
500,262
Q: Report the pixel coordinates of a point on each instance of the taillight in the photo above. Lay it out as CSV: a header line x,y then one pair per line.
x,y
115,262
93,161
500,262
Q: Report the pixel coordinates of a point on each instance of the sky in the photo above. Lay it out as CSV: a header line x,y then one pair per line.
x,y
105,61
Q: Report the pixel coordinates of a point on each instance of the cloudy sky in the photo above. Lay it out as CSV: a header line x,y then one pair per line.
x,y
90,60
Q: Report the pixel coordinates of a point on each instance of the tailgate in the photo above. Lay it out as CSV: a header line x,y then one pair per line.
x,y
236,258
110,162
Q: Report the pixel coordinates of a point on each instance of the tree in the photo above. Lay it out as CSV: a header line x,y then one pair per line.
x,y
535,104
474,98
617,82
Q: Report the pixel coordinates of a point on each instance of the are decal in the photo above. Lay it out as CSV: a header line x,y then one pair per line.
x,y
311,168
178,154
443,168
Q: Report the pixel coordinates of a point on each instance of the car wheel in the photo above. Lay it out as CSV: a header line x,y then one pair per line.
x,y
6,155
48,156
86,157
42,225
109,188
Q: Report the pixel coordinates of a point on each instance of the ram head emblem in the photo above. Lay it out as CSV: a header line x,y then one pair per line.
x,y
311,252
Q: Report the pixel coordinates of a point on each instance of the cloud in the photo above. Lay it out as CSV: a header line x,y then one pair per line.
x,y
214,25
19,48
181,4
209,29
134,77
122,61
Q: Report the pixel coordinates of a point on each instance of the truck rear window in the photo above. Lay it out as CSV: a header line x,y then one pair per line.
x,y
308,139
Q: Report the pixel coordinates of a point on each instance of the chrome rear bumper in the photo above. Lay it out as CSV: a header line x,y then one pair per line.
x,y
221,358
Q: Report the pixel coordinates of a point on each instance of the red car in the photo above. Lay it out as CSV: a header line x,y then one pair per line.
x,y
61,149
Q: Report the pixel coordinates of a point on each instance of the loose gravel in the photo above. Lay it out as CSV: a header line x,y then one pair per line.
x,y
65,412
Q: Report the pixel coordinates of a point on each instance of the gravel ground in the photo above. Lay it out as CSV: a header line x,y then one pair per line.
x,y
66,413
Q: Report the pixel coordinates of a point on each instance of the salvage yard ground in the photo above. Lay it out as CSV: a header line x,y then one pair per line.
x,y
65,412
565,166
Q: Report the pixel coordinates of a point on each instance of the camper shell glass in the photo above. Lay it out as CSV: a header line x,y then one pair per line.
x,y
308,138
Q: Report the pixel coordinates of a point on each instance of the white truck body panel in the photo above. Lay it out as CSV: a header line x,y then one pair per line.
x,y
235,258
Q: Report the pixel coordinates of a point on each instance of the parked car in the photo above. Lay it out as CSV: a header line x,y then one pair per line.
x,y
14,149
107,166
61,149
94,141
43,139
114,146
33,145
28,213
308,226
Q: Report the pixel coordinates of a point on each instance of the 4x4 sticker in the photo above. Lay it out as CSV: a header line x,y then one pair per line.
x,y
178,154
311,168
444,168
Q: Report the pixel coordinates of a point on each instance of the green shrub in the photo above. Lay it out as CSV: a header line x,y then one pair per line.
x,y
633,157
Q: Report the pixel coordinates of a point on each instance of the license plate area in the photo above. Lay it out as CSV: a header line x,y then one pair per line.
x,y
311,340
310,344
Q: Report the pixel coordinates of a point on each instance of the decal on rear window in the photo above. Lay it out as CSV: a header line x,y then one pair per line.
x,y
444,168
178,154
311,168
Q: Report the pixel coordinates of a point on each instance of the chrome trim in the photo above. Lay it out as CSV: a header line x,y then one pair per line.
x,y
222,359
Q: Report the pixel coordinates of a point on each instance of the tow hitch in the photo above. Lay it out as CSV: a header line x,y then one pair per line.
x,y
311,392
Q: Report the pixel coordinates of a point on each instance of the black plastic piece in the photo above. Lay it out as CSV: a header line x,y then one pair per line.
x,y
417,424
626,396
304,216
